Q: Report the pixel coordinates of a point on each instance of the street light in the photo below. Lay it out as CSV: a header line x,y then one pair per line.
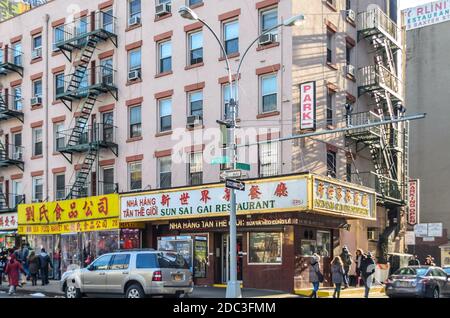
x,y
233,286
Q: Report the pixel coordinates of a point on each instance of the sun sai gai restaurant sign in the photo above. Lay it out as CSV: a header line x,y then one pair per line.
x,y
427,14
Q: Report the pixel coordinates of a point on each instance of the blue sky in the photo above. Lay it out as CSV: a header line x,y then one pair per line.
x,y
412,3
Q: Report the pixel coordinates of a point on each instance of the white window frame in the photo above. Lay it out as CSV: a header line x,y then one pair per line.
x,y
160,58
130,165
56,130
160,171
103,176
190,94
224,40
189,46
159,101
36,140
129,120
130,52
34,87
261,99
34,182
266,155
55,177
261,15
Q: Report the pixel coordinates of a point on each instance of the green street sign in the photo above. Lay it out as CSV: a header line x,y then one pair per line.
x,y
242,166
220,160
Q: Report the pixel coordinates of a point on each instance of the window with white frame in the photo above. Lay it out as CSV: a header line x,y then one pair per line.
x,y
269,19
37,44
165,114
165,56
193,2
269,93
37,88
330,47
108,127
59,84
195,168
226,99
108,20
60,187
196,103
17,146
231,37
107,183
165,172
268,159
195,40
38,189
58,36
17,195
17,93
134,9
60,138
37,141
135,121
17,53
134,60
135,175
330,107
107,71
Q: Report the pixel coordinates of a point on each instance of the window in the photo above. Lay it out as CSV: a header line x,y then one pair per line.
x,y
37,42
60,140
268,159
120,261
108,20
37,88
231,37
226,99
196,103
58,36
17,93
108,181
59,84
17,193
17,48
165,114
37,141
165,56
323,240
269,19
348,169
135,122
348,4
60,188
165,172
265,248
330,54
195,48
331,164
107,72
194,2
147,260
134,7
38,189
196,168
348,54
101,264
108,127
135,173
134,60
269,91
17,146
330,103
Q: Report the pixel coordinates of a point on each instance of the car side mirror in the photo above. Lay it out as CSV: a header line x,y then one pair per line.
x,y
90,268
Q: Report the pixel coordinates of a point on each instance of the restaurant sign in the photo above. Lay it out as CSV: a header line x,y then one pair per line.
x,y
427,14
413,201
342,199
8,221
260,196
77,215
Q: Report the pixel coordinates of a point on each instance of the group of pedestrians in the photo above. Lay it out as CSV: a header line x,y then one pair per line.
x,y
340,267
15,262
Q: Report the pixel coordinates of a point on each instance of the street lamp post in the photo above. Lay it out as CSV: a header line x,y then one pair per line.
x,y
233,285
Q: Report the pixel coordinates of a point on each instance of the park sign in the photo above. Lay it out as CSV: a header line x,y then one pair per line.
x,y
427,14
308,105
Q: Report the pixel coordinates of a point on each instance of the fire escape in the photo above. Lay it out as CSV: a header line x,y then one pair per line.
x,y
388,144
11,153
86,83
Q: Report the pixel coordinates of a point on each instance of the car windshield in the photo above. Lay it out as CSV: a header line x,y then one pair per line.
x,y
411,271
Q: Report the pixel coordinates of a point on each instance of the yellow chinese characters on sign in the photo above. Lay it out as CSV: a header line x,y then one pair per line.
x,y
81,226
56,216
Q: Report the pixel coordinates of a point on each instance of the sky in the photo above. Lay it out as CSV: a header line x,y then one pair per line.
x,y
412,3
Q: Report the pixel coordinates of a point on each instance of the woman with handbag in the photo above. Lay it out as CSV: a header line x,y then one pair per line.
x,y
337,275
315,276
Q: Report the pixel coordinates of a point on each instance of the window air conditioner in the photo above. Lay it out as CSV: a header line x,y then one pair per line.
x,y
36,53
350,70
134,21
36,100
134,75
267,39
162,9
351,15
194,121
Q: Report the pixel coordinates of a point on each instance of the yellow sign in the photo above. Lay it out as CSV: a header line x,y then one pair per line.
x,y
79,226
85,209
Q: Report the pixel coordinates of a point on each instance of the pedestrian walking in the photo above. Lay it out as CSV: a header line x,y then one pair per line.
x,y
337,275
13,270
3,262
24,253
429,261
315,276
358,259
346,258
56,264
367,272
45,262
414,261
34,265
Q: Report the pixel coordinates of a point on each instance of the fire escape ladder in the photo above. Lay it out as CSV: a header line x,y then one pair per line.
x,y
3,201
76,191
82,120
82,64
3,154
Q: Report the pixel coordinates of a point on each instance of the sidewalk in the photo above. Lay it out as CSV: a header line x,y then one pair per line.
x,y
347,293
51,289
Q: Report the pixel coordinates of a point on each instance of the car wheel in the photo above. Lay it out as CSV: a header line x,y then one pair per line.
x,y
72,292
436,293
135,291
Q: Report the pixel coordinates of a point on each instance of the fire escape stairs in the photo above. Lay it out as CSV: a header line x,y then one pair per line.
x,y
77,189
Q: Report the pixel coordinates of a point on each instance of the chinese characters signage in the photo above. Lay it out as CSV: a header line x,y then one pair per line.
x,y
78,226
427,14
308,105
274,195
413,202
342,199
8,221
68,215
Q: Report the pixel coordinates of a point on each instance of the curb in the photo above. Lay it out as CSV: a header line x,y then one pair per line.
x,y
223,285
329,293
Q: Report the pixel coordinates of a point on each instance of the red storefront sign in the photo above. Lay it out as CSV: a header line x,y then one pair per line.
x,y
413,202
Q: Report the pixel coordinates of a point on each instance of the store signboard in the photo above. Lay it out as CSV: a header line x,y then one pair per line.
x,y
8,221
427,14
308,105
410,238
413,202
421,230
72,227
343,199
435,229
260,196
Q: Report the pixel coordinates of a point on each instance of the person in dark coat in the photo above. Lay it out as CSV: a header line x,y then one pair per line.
x,y
337,275
34,266
315,274
367,272
346,258
358,259
45,262
3,262
13,270
414,261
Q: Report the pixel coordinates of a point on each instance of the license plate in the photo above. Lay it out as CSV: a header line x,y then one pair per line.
x,y
403,284
177,277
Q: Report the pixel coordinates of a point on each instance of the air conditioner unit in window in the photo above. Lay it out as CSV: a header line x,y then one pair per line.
x,y
36,100
17,156
134,21
350,70
162,9
267,39
194,121
36,53
134,75
351,15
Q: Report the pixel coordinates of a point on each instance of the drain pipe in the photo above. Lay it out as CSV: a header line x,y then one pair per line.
x,y
46,103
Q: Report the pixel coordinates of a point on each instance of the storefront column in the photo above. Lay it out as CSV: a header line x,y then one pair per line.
x,y
149,237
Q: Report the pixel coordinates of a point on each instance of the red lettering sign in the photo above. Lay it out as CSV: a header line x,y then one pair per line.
x,y
308,105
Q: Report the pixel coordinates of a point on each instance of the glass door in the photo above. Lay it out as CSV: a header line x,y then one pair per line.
x,y
226,257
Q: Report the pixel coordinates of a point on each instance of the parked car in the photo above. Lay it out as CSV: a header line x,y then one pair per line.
x,y
133,273
446,269
418,281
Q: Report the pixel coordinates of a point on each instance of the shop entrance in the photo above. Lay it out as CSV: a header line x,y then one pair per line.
x,y
225,259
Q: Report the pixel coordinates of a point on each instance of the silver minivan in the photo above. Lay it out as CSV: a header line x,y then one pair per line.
x,y
133,273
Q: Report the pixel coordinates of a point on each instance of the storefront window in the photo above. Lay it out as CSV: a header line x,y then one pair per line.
x,y
70,251
107,242
200,256
309,247
316,241
323,243
265,248
181,245
130,238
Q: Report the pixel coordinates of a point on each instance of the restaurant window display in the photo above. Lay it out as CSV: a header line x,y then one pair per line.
x,y
265,247
130,238
200,256
70,251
